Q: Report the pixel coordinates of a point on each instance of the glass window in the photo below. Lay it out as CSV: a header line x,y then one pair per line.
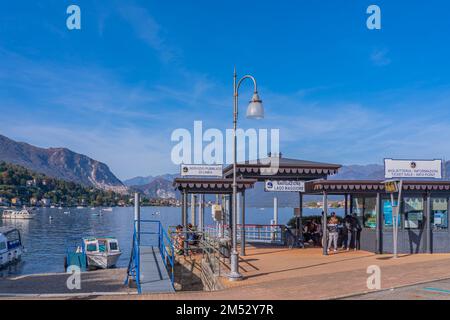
x,y
439,214
370,213
113,246
102,245
387,214
413,209
91,247
358,206
2,246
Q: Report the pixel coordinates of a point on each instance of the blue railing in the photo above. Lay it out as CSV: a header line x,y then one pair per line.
x,y
134,264
160,239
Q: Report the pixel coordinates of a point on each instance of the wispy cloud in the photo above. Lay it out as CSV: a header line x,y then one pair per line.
x,y
148,29
379,57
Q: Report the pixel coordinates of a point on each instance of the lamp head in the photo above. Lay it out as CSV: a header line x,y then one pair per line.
x,y
255,109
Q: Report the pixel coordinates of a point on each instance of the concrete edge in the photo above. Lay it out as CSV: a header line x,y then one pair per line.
x,y
362,293
65,295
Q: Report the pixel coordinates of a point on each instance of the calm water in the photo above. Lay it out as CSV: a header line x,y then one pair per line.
x,y
46,239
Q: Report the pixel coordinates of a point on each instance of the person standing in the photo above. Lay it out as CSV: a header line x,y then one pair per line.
x,y
333,232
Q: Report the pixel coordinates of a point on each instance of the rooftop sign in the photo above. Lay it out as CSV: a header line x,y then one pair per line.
x,y
412,169
284,186
201,170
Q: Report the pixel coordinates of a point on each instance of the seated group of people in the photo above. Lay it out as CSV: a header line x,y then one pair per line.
x,y
181,238
343,233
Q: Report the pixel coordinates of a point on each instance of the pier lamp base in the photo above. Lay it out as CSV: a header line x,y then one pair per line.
x,y
234,275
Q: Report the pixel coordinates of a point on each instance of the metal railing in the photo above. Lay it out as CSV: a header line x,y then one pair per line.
x,y
257,233
134,263
159,238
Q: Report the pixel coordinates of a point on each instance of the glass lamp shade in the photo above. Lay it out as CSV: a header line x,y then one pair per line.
x,y
255,109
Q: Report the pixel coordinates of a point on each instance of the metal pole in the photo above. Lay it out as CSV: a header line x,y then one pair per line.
x,y
193,213
137,216
275,210
394,226
428,223
183,209
234,274
275,218
201,213
379,227
324,225
243,225
300,217
346,204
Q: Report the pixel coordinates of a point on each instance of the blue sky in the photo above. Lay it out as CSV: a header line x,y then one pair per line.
x,y
137,70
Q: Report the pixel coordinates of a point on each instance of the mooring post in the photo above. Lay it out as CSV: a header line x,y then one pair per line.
x,y
137,216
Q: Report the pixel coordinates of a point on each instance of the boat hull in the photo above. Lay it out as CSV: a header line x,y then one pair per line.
x,y
102,260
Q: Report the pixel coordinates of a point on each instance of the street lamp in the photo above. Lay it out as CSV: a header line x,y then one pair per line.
x,y
255,110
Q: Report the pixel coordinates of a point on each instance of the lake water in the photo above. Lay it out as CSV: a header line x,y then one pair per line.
x,y
46,240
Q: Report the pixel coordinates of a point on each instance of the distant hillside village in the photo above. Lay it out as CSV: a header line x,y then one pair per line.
x,y
22,187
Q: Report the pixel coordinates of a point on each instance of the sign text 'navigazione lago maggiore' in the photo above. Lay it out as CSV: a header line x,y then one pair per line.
x,y
284,186
412,169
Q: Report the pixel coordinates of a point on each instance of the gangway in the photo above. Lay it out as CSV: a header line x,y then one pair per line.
x,y
152,258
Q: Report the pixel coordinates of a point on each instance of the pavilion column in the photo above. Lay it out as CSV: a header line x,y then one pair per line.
x,y
428,223
379,225
275,210
324,224
193,213
184,209
346,204
299,218
243,225
201,213
351,204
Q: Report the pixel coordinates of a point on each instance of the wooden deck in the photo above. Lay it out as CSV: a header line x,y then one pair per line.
x,y
154,277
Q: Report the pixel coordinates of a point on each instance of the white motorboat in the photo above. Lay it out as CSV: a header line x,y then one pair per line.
x,y
10,246
17,214
108,209
101,252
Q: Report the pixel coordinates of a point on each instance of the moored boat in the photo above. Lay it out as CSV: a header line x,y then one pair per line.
x,y
101,252
10,246
17,214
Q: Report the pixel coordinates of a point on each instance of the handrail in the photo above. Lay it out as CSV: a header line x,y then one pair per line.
x,y
167,257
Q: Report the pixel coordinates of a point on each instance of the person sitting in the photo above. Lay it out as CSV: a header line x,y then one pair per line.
x,y
179,240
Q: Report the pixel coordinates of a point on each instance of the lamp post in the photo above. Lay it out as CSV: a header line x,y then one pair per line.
x,y
255,110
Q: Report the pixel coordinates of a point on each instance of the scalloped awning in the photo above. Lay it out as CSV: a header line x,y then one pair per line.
x,y
214,186
374,186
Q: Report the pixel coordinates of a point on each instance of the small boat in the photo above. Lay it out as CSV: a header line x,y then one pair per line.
x,y
66,212
80,207
17,214
52,207
101,253
108,209
10,246
59,208
93,208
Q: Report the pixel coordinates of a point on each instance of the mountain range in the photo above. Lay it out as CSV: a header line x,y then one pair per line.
x,y
60,163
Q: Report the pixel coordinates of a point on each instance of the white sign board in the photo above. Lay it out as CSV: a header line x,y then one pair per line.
x,y
202,170
284,186
412,169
